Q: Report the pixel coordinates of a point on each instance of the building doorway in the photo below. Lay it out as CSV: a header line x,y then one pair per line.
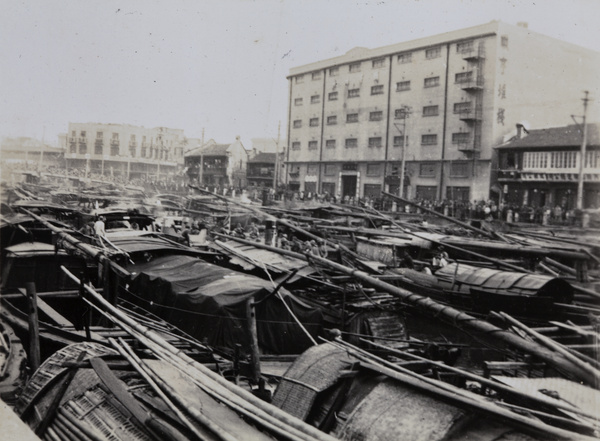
x,y
348,186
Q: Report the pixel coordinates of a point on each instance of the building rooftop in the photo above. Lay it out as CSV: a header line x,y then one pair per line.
x,y
566,136
264,158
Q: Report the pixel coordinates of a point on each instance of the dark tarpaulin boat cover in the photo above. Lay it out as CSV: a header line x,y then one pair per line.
x,y
209,303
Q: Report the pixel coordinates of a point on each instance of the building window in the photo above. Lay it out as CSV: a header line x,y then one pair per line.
x,y
380,62
352,117
299,79
557,159
143,151
354,67
376,116
297,123
373,169
458,193
313,122
312,145
592,159
74,134
504,41
334,71
298,102
99,135
296,145
375,142
332,120
353,93
402,85
312,169
427,170
351,143
463,77
430,110
316,75
426,192
333,96
377,90
115,136
459,169
405,58
465,47
315,99
432,82
330,143
436,52
463,107
83,134
428,139
330,169
399,141
461,138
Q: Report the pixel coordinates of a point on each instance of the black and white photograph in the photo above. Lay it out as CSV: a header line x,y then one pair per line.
x,y
299,220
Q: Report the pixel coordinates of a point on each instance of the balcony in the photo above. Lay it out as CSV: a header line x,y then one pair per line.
x,y
472,53
470,114
468,145
472,84
114,143
132,144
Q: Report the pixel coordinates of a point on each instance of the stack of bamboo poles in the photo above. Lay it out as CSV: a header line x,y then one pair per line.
x,y
262,414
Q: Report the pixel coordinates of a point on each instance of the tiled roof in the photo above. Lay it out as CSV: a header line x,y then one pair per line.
x,y
567,136
210,150
264,157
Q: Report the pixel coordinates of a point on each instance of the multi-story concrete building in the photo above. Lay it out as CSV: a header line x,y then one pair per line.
x,y
439,104
130,152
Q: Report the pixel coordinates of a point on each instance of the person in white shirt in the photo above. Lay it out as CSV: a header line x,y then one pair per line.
x,y
99,227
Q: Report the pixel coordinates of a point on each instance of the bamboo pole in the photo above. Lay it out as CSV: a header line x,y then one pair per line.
x,y
454,394
450,315
34,327
593,373
137,364
491,384
253,333
263,413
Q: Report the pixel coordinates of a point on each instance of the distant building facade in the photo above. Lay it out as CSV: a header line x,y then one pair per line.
x,y
222,165
261,170
131,152
439,104
541,167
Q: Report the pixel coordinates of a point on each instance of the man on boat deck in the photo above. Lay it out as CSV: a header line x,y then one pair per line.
x,y
99,227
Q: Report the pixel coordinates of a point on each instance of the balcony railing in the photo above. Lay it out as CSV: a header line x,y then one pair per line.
x,y
473,53
470,144
472,83
470,114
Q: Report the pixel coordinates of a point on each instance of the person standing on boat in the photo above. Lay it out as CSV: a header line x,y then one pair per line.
x,y
99,227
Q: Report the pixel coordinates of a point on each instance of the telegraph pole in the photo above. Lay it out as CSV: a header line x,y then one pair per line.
x,y
582,155
404,112
276,157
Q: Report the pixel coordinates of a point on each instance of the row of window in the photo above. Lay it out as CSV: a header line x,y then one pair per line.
x,y
458,169
100,135
561,160
378,89
465,47
378,63
459,108
458,138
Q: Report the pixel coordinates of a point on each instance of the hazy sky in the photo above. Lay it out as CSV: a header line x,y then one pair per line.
x,y
217,65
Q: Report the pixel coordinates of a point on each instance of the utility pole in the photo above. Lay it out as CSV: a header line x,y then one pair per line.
x,y
275,174
404,112
582,155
